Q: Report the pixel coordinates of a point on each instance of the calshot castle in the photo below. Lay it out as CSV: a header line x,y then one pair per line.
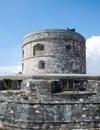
x,y
53,92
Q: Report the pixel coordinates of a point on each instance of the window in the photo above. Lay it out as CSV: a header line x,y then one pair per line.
x,y
6,84
41,65
72,66
22,66
38,50
55,87
68,85
68,48
23,53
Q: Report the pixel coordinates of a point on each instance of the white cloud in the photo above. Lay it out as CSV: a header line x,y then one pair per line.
x,y
93,54
9,69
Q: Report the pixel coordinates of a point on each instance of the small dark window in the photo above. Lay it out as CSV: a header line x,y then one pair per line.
x,y
68,48
41,65
56,87
23,53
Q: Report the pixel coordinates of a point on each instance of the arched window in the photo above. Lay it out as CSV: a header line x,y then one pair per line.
x,y
41,64
38,50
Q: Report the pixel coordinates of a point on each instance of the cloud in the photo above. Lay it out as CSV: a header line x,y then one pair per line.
x,y
9,70
93,55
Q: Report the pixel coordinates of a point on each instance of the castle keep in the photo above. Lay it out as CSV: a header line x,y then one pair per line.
x,y
53,92
54,51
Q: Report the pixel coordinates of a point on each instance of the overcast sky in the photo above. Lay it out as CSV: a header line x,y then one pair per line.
x,y
20,17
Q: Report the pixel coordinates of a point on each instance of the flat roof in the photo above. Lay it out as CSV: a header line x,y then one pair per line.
x,y
54,31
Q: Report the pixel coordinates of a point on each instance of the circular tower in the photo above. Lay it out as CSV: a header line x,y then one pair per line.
x,y
53,51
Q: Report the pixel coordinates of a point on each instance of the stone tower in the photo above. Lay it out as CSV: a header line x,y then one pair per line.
x,y
54,92
53,51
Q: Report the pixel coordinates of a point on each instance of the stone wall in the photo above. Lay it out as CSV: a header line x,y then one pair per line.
x,y
63,52
34,107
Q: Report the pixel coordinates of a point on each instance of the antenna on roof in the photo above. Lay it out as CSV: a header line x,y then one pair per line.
x,y
73,29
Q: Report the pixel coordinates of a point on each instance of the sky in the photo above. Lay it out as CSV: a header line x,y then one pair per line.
x,y
20,17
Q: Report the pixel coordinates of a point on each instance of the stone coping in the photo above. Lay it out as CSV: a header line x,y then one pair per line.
x,y
54,31
51,76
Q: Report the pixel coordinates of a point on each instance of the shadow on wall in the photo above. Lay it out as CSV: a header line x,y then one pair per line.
x,y
68,85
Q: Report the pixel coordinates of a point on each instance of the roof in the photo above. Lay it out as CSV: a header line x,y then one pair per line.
x,y
54,31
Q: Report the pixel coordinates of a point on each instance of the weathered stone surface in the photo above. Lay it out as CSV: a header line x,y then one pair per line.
x,y
37,108
64,52
51,102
